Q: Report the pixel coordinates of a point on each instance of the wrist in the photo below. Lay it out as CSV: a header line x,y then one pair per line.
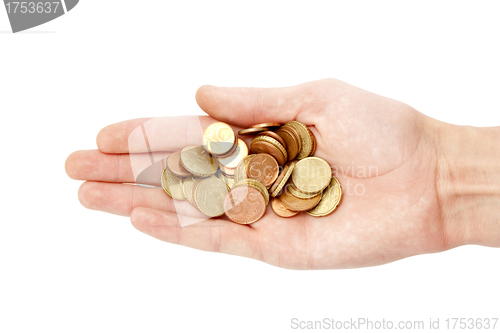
x,y
468,184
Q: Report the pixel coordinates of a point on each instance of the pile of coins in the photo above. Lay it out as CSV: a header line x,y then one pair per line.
x,y
225,176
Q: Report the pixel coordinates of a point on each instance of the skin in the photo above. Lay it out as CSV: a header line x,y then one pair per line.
x,y
411,184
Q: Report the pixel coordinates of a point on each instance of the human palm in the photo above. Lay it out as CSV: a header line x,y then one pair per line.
x,y
382,151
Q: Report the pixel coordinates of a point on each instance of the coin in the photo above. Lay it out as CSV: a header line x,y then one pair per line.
x,y
198,161
164,183
330,200
272,141
244,204
193,191
263,168
253,130
231,161
311,175
292,140
209,196
258,185
266,125
293,190
173,183
304,137
241,170
280,209
218,138
282,179
175,166
296,204
314,142
187,188
274,136
268,145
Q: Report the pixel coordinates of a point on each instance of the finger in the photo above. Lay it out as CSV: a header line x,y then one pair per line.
x,y
116,168
249,106
121,199
153,134
212,235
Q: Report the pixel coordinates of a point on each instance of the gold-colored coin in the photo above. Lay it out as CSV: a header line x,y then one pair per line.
x,y
173,183
295,192
330,200
256,184
209,196
287,173
241,170
305,137
198,161
187,188
164,183
231,161
219,138
311,175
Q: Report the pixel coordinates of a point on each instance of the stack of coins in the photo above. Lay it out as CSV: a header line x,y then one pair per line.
x,y
224,176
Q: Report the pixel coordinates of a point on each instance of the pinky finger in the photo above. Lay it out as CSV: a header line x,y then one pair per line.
x,y
210,235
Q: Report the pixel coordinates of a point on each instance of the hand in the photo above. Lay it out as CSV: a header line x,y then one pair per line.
x,y
385,154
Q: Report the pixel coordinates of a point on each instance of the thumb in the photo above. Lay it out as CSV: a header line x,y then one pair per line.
x,y
249,106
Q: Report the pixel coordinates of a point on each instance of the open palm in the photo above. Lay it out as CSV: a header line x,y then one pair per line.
x,y
382,151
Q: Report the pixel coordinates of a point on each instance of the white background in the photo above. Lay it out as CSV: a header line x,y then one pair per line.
x,y
67,269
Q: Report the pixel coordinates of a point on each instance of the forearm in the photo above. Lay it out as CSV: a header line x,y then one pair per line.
x,y
468,184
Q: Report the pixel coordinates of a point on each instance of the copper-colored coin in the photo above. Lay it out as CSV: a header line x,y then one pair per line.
x,y
292,140
244,204
253,130
274,136
296,204
282,179
218,138
305,137
263,168
272,141
175,166
315,143
266,125
280,209
259,146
